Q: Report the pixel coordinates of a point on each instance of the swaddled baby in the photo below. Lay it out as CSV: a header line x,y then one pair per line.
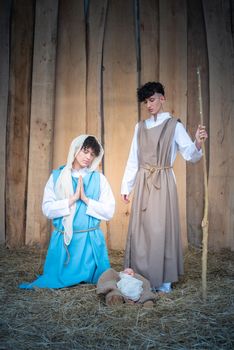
x,y
125,287
130,286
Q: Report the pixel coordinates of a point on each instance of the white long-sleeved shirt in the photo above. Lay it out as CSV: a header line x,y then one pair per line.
x,y
103,209
181,142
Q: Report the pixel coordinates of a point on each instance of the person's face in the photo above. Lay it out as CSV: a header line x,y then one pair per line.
x,y
129,271
154,103
83,158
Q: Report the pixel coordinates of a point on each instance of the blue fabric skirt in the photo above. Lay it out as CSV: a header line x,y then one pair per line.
x,y
86,261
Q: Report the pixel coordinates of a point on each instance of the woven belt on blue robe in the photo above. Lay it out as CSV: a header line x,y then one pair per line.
x,y
75,231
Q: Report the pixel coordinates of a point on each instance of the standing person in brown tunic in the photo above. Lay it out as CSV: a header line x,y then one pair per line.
x,y
153,247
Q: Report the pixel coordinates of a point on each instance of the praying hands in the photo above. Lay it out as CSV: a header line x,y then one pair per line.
x,y
79,194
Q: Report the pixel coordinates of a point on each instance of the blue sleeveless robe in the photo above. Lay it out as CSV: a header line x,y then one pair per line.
x,y
86,257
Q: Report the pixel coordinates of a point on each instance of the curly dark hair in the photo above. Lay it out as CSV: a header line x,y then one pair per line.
x,y
91,142
149,89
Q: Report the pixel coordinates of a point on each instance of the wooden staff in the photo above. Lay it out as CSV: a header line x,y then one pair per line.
x,y
205,223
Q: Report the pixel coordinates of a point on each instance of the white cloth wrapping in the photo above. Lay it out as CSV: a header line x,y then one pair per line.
x,y
130,286
181,143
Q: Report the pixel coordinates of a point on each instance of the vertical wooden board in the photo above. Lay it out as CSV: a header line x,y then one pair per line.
x,y
5,7
221,170
149,44
173,74
197,56
42,113
120,107
94,98
96,25
21,44
221,212
70,114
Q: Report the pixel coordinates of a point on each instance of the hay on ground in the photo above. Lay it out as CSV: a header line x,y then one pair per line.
x,y
76,318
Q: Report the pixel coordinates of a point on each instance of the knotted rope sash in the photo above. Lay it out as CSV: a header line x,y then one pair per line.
x,y
153,172
75,231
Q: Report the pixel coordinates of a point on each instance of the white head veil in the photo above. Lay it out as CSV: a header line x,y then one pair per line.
x,y
64,188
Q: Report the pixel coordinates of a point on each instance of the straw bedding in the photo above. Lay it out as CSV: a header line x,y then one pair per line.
x,y
76,318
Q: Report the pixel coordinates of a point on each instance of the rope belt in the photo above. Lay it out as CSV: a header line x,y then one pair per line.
x,y
77,231
152,178
153,168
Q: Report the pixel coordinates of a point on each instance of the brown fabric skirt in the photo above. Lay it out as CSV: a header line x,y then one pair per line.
x,y
153,247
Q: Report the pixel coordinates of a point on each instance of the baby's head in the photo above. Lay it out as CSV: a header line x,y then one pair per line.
x,y
129,271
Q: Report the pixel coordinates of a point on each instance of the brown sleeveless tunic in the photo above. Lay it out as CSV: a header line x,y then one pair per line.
x,y
153,247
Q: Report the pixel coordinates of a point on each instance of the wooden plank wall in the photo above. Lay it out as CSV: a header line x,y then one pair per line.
x,y
96,28
197,56
149,38
120,107
18,122
74,68
5,7
173,74
42,114
70,106
221,82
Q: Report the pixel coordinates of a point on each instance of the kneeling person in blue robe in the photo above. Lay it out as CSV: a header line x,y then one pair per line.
x,y
76,198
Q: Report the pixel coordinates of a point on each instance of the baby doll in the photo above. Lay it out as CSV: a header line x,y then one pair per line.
x,y
125,287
